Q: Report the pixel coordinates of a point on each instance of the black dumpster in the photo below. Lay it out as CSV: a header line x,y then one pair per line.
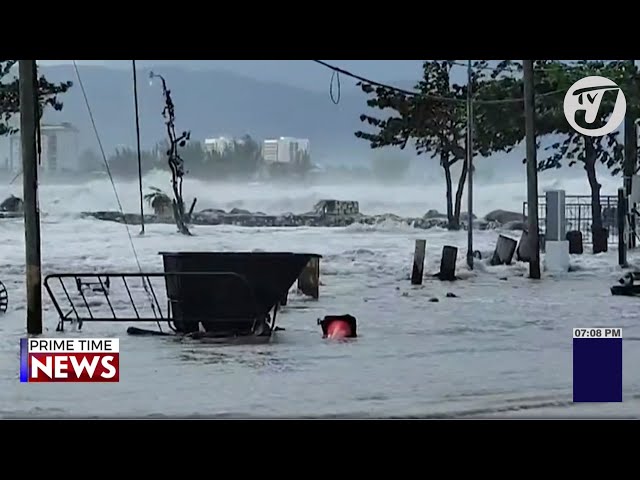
x,y
231,289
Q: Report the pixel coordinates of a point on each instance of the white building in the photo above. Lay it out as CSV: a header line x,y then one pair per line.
x,y
219,145
285,150
59,149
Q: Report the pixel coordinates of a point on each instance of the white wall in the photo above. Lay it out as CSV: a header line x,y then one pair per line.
x,y
67,151
67,158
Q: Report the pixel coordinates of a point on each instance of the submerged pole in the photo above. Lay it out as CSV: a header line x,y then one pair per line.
x,y
469,168
630,166
532,171
28,127
135,101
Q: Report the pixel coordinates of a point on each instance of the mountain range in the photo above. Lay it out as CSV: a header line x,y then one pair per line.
x,y
213,102
209,103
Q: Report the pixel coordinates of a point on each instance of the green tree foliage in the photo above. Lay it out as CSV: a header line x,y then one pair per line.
x,y
124,162
575,148
437,127
10,94
159,201
241,160
434,121
551,81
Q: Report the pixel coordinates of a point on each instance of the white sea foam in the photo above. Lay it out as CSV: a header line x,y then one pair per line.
x,y
405,200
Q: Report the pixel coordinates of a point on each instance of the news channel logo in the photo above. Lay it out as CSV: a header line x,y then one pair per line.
x,y
586,95
45,360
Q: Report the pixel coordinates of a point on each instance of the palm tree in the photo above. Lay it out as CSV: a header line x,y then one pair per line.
x,y
159,201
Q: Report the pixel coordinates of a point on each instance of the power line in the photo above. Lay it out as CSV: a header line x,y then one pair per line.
x,y
410,93
491,69
113,185
369,81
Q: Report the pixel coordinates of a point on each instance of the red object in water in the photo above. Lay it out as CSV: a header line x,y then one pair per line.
x,y
338,329
338,326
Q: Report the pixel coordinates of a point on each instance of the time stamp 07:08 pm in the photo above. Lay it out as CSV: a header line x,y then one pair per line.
x,y
597,364
597,332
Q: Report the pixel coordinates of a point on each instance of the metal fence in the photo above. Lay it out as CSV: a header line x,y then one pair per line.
x,y
578,215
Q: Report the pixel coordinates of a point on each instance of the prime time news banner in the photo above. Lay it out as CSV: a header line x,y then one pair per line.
x,y
69,360
597,362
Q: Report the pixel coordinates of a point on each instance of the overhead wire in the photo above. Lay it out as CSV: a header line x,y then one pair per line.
x,y
410,93
113,185
335,98
491,69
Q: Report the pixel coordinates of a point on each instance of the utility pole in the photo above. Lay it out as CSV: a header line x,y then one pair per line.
x,y
135,101
469,166
28,126
630,160
532,171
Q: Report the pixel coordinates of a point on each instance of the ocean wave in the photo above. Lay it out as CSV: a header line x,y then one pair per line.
x,y
405,200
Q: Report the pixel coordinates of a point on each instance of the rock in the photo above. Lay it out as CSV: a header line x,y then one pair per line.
x,y
451,295
388,216
213,210
464,217
504,279
504,216
12,204
336,207
434,300
108,216
245,218
426,223
434,214
239,211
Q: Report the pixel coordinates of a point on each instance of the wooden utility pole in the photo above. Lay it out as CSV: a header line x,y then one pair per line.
x,y
28,122
135,101
469,167
630,161
532,171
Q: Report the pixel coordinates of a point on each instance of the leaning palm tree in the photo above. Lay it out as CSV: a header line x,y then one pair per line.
x,y
159,201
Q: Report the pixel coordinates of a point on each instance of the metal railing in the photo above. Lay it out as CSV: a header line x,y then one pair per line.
x,y
117,297
578,215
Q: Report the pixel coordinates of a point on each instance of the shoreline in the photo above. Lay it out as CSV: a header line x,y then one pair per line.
x,y
248,219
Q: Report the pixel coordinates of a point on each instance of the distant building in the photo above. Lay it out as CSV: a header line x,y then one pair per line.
x,y
285,150
58,154
220,144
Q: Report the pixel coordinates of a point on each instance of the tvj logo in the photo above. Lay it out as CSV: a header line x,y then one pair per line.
x,y
586,95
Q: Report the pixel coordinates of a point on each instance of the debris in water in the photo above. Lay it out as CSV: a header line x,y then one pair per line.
x,y
338,326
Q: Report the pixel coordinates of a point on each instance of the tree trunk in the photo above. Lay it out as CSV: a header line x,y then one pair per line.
x,y
461,182
598,235
444,161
